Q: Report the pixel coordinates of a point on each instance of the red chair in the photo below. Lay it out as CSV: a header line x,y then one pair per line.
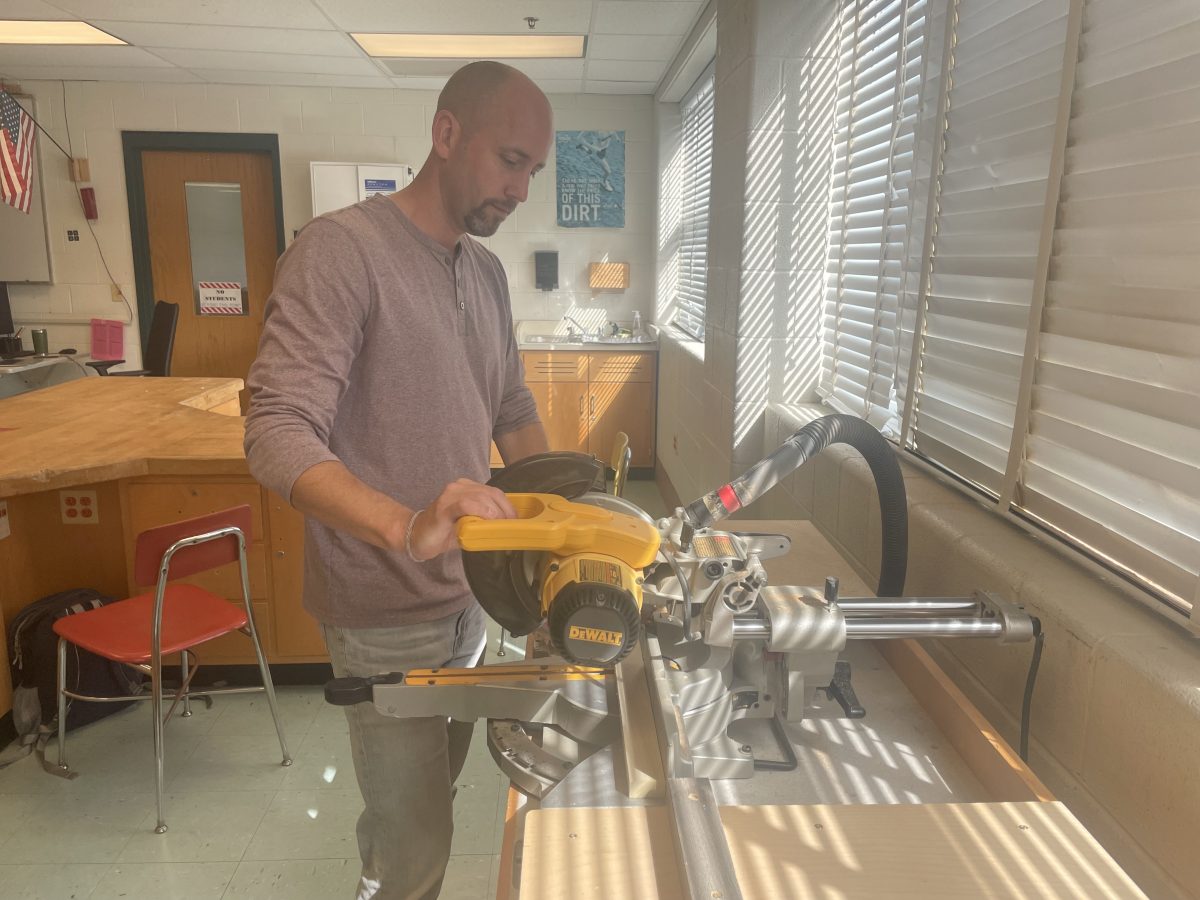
x,y
173,618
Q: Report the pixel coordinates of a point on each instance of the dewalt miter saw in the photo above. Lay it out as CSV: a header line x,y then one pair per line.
x,y
584,575
674,612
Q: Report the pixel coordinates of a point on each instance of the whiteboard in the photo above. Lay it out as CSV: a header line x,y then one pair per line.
x,y
336,184
24,243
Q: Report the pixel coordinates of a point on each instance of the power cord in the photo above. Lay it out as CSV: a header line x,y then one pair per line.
x,y
79,197
1038,639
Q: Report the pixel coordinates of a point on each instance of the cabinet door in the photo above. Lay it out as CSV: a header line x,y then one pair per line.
x,y
296,632
562,406
629,407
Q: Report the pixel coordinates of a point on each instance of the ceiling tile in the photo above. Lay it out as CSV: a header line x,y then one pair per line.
x,y
645,17
69,55
591,86
459,16
537,69
560,85
228,76
222,37
99,73
633,46
266,13
32,9
624,70
422,68
268,62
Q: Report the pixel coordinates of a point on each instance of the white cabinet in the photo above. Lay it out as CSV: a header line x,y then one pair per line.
x,y
336,184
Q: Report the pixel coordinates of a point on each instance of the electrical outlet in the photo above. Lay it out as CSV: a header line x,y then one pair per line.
x,y
79,507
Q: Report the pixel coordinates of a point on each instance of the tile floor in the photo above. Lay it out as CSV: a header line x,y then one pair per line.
x,y
241,827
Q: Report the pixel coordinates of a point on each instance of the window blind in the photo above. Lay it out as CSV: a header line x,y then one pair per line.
x,y
878,99
1112,459
698,116
1001,112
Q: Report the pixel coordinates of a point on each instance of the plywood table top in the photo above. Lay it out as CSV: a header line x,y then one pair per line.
x,y
100,429
919,851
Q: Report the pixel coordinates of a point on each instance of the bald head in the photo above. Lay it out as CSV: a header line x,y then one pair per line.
x,y
472,92
491,135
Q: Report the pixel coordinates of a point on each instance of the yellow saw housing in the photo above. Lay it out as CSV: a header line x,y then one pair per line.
x,y
588,578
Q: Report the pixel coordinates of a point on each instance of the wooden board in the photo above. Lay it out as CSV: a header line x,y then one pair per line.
x,y
959,850
639,768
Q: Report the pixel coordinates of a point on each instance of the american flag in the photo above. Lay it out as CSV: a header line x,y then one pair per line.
x,y
16,153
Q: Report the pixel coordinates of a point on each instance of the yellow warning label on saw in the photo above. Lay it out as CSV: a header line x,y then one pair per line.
x,y
595,635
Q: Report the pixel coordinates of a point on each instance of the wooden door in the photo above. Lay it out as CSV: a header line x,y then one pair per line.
x,y
622,406
191,217
562,406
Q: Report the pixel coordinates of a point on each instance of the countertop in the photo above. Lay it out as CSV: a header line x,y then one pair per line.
x,y
591,346
100,429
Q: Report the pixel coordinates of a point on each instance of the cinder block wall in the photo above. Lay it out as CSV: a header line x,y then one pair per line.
x,y
317,123
1115,727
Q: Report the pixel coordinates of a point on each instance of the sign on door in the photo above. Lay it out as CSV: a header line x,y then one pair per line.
x,y
221,298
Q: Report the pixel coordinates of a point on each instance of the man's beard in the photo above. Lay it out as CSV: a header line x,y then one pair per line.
x,y
484,220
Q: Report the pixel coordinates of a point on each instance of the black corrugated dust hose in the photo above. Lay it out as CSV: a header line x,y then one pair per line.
x,y
802,446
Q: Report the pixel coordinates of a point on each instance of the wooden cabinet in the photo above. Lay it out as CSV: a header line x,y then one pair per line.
x,y
563,406
275,561
584,399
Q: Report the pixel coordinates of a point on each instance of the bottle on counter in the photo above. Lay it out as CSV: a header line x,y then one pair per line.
x,y
637,323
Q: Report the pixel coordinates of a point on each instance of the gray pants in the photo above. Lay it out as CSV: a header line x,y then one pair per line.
x,y
406,767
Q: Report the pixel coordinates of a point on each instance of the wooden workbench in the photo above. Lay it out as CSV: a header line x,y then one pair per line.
x,y
143,451
100,429
921,799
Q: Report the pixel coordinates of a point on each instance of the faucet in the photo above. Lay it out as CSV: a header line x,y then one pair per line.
x,y
572,325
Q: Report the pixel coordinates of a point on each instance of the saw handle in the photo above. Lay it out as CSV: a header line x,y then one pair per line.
x,y
550,523
350,690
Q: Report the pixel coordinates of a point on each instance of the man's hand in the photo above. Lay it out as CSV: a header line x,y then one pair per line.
x,y
433,531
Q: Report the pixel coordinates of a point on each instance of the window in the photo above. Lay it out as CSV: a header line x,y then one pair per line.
x,y
999,132
879,79
1050,320
697,108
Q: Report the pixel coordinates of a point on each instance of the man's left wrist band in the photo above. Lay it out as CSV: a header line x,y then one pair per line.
x,y
408,530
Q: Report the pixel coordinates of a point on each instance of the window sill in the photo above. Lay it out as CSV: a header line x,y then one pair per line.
x,y
673,334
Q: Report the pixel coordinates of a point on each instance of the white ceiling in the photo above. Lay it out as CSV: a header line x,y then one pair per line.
x,y
630,42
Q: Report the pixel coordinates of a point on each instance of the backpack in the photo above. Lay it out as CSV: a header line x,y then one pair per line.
x,y
33,661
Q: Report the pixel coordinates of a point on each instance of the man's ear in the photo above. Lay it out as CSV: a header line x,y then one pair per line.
x,y
447,132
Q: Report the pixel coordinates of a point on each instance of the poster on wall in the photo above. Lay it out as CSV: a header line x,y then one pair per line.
x,y
591,179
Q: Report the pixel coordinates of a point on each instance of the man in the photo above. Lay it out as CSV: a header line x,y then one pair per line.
x,y
386,367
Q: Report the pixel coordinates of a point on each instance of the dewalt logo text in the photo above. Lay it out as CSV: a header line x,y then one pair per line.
x,y
595,635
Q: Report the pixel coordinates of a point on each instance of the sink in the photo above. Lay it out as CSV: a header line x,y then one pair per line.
x,y
551,334
628,339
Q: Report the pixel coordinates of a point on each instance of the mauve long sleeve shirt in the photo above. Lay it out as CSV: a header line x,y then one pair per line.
x,y
384,350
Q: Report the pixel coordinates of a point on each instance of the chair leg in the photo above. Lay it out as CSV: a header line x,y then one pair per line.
x,y
269,687
62,705
156,712
187,700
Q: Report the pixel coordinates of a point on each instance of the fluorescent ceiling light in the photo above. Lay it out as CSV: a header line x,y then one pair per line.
x,y
472,46
22,31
